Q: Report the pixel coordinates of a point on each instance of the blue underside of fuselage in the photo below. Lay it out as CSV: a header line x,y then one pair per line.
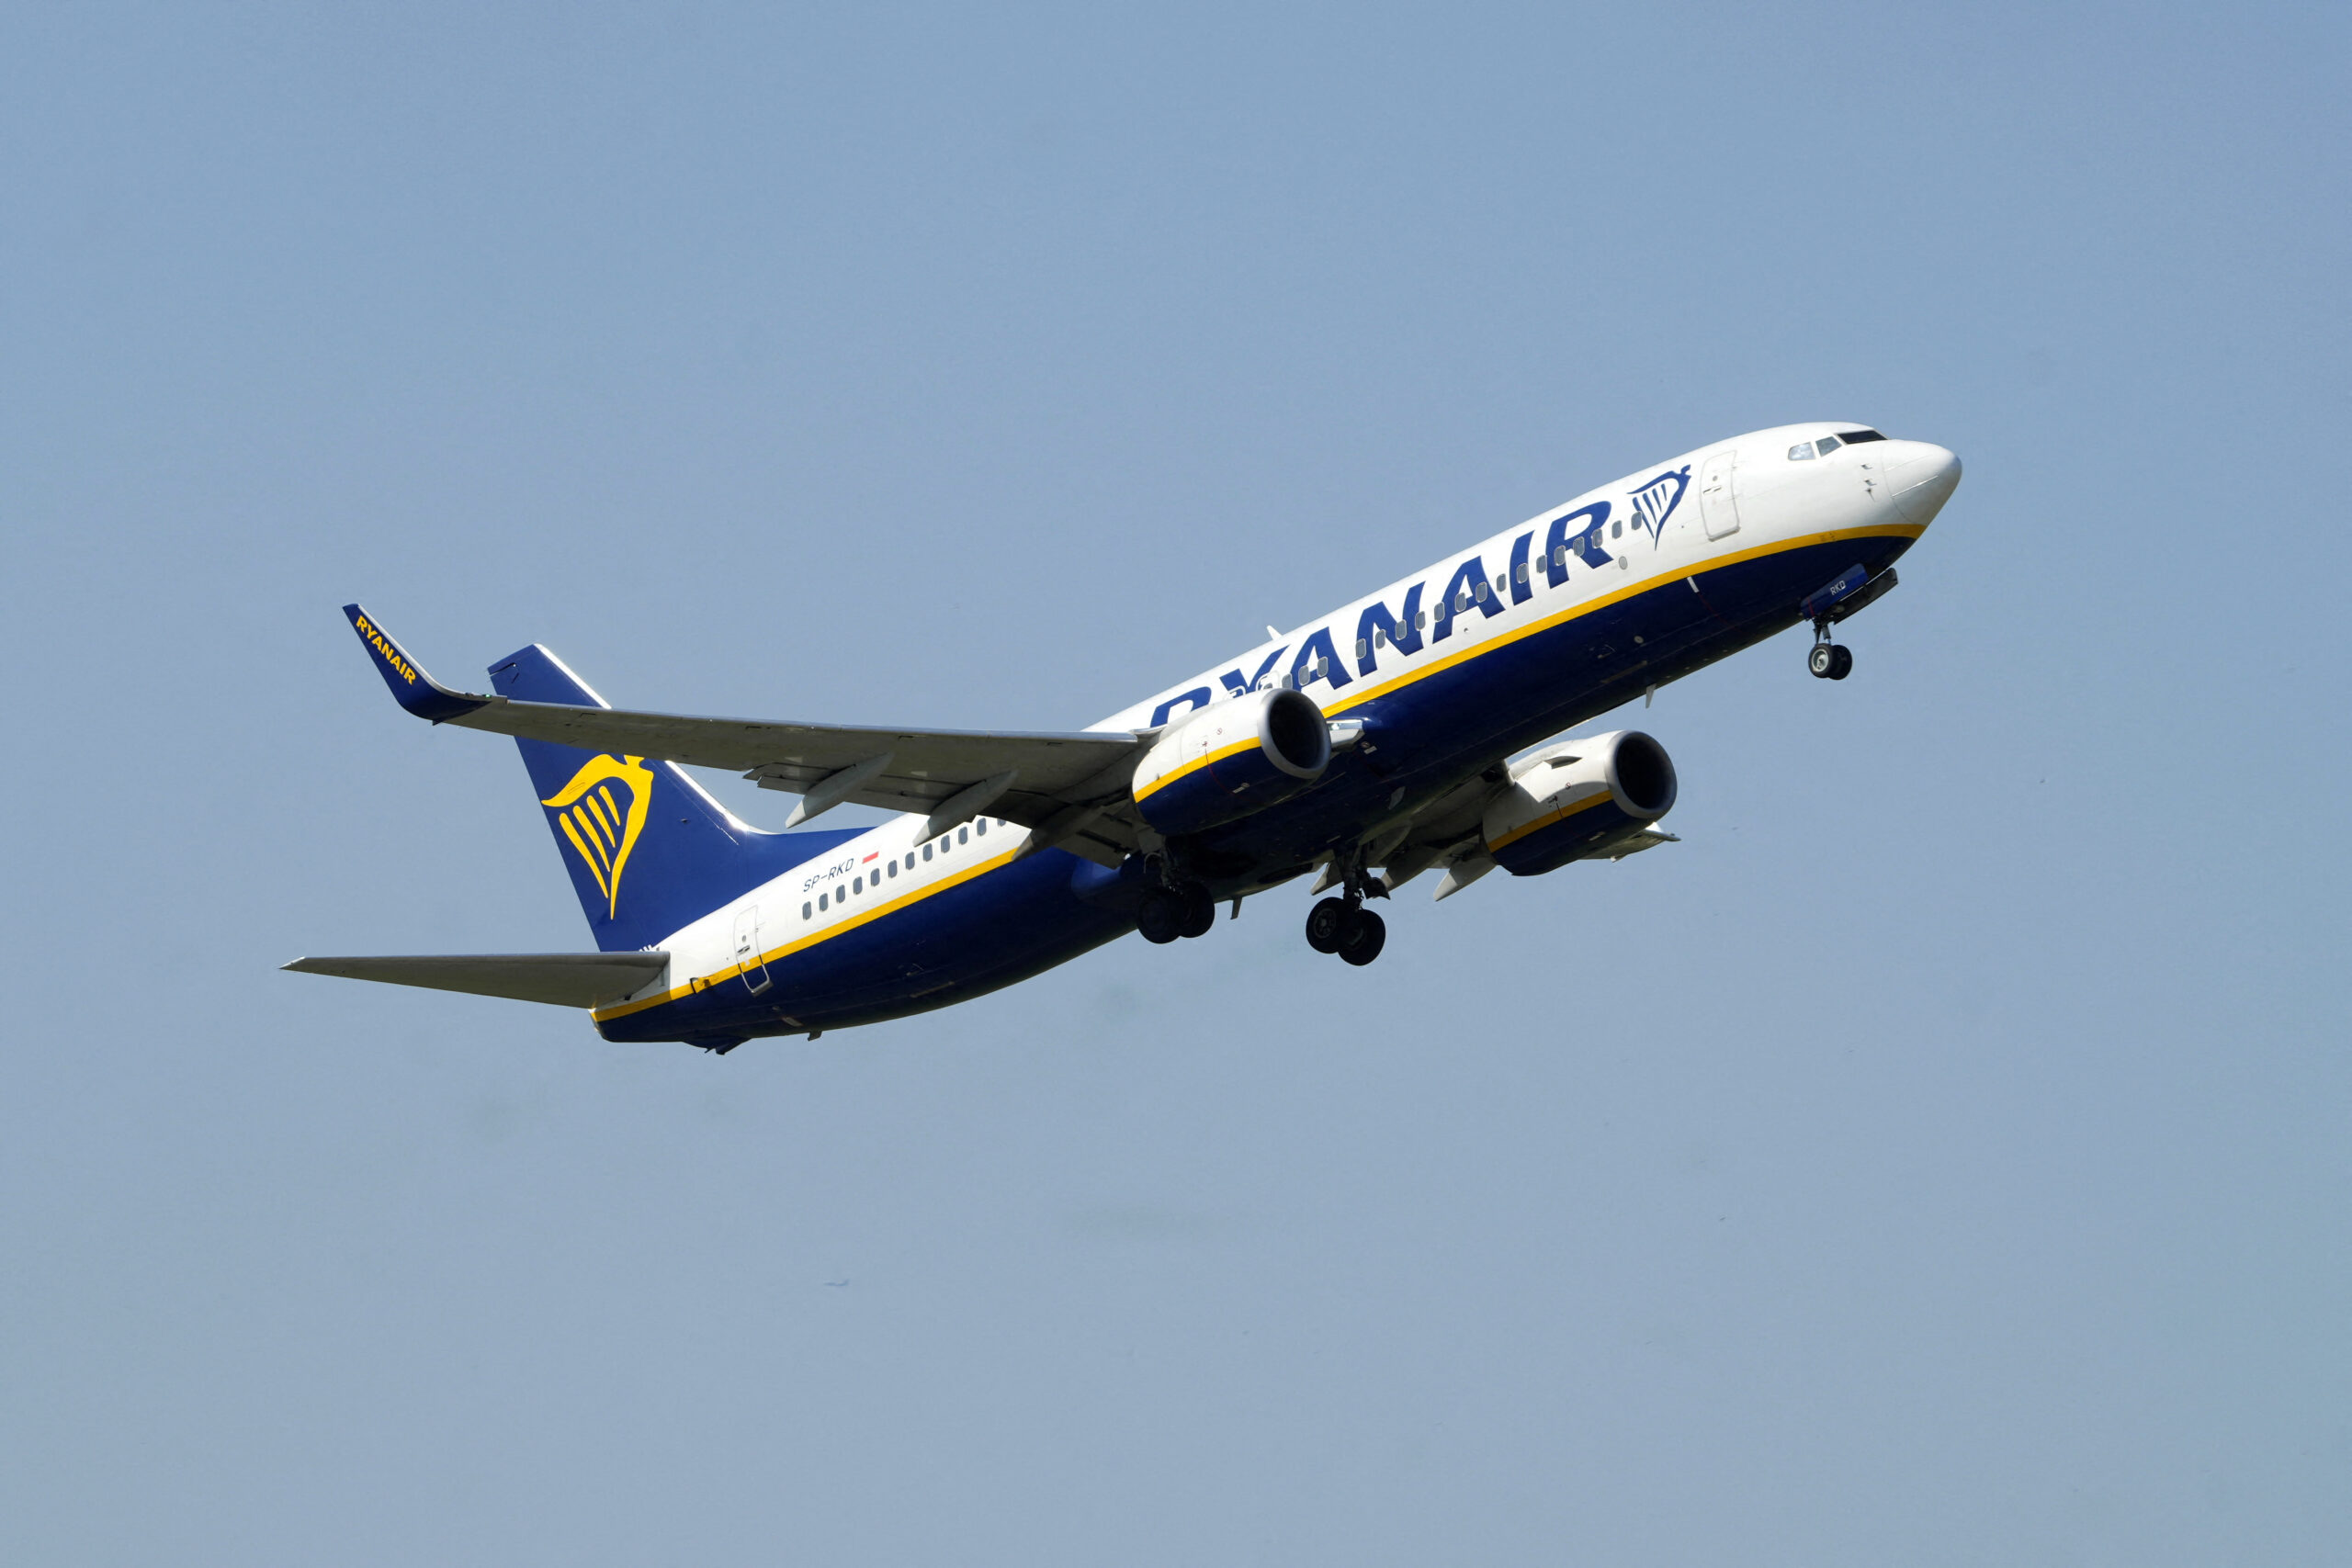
x,y
1423,739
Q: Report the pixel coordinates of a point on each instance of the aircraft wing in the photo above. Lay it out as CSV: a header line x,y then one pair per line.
x,y
559,979
1058,784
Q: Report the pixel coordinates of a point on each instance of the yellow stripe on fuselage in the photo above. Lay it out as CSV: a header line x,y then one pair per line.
x,y
864,917
1407,676
1195,766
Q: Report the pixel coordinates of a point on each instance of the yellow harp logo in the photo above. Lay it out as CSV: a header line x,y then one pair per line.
x,y
602,829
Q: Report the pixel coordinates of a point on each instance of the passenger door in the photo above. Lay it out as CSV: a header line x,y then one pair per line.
x,y
1716,503
747,949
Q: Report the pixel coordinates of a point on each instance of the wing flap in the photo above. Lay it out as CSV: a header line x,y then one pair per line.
x,y
558,979
925,764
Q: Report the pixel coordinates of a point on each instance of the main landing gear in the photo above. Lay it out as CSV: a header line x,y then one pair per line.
x,y
1343,925
1184,909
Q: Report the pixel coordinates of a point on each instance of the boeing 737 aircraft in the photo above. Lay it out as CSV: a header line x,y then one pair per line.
x,y
1362,749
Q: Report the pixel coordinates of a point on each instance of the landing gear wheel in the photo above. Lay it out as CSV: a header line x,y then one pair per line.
x,y
1324,924
1823,659
1362,936
1161,916
1841,662
1200,910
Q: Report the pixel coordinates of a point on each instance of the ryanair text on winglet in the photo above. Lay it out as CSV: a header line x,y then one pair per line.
x,y
383,646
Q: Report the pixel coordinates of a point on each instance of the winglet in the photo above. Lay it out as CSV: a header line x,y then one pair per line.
x,y
411,687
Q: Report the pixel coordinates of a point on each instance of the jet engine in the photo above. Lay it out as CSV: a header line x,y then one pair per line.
x,y
1229,759
1579,798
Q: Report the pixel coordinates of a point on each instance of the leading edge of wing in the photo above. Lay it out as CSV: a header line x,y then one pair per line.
x,y
926,765
558,979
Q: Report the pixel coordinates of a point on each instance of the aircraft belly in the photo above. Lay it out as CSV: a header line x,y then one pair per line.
x,y
1007,925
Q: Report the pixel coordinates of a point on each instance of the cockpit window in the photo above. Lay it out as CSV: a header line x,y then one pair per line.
x,y
1825,445
1800,453
1856,435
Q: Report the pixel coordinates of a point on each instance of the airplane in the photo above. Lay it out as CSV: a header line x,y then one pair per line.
x,y
1402,733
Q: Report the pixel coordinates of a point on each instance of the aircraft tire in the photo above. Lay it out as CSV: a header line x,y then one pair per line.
x,y
1324,923
1200,910
1161,916
1821,661
1841,662
1362,937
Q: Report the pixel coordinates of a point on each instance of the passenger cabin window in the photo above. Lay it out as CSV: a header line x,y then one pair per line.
x,y
1800,453
894,866
963,835
981,826
822,899
1825,445
807,909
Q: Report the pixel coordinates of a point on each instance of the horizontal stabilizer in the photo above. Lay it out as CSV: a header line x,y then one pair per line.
x,y
559,979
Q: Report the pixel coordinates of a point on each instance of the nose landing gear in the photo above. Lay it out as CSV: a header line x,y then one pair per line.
x,y
1828,661
1851,590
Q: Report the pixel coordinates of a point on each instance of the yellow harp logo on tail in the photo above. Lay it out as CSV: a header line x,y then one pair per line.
x,y
602,821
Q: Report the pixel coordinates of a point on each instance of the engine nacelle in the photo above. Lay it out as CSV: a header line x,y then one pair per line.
x,y
1232,758
1577,799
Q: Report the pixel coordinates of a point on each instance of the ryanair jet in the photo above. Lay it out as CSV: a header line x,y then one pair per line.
x,y
1388,739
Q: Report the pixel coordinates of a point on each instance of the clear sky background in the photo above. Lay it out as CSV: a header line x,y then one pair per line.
x,y
1939,1157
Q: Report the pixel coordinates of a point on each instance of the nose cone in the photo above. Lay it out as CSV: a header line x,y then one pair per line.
x,y
1924,477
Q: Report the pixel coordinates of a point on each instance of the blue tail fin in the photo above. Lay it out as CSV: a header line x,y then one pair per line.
x,y
648,849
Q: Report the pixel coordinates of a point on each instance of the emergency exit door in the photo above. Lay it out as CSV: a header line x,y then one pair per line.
x,y
747,949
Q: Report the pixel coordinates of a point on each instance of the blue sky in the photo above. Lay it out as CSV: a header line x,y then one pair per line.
x,y
1938,1157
